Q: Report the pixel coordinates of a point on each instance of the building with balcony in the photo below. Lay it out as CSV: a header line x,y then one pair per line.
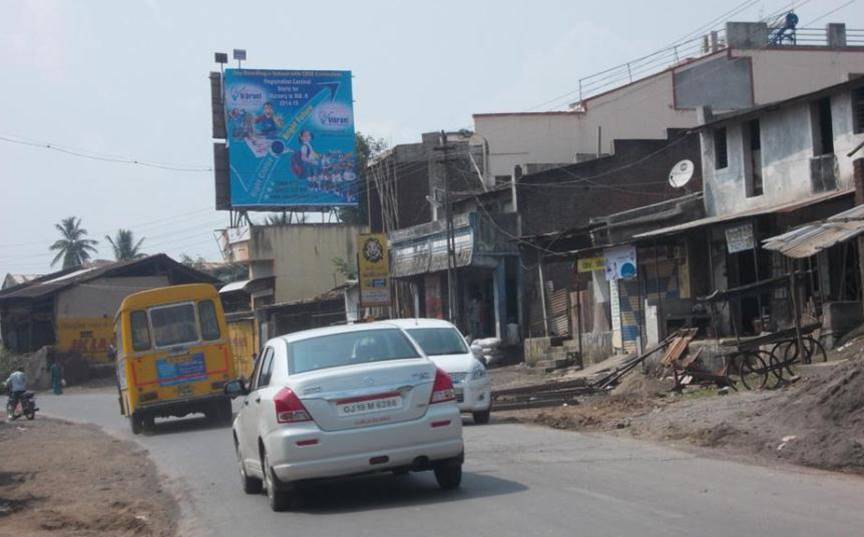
x,y
745,65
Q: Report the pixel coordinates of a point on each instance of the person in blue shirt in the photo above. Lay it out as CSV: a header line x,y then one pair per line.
x,y
16,385
268,123
56,377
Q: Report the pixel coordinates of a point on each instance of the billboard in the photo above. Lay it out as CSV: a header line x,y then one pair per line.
x,y
374,269
290,139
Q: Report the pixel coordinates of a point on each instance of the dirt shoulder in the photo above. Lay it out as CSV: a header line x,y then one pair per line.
x,y
60,478
817,421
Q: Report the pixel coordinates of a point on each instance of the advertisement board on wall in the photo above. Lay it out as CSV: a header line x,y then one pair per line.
x,y
373,269
590,264
739,238
290,138
89,337
620,263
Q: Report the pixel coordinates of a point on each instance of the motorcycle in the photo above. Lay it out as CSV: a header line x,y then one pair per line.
x,y
25,406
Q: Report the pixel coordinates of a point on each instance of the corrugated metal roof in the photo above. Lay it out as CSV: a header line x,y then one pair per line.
x,y
810,239
56,282
781,208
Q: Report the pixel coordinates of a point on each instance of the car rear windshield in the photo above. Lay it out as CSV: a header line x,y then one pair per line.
x,y
174,325
438,341
349,348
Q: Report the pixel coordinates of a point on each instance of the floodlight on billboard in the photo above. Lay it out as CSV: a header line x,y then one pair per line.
x,y
290,139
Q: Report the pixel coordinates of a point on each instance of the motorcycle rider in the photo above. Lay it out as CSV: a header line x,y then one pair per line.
x,y
16,384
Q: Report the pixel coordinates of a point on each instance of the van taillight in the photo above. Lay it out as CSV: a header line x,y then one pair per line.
x,y
289,409
442,390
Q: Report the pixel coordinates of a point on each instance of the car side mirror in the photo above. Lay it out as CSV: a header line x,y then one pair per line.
x,y
235,388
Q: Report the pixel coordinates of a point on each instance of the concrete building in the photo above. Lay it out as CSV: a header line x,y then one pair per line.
x,y
554,209
300,258
406,183
765,171
733,70
73,310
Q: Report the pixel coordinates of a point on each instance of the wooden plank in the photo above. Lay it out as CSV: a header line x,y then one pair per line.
x,y
679,346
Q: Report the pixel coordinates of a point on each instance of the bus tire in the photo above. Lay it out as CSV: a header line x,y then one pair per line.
x,y
226,412
136,423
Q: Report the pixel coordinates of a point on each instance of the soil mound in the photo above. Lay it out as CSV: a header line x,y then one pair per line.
x,y
828,417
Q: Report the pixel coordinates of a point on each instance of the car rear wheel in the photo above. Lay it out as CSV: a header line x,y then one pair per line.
x,y
280,500
481,417
449,475
250,485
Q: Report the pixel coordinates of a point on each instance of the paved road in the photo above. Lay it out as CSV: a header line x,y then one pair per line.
x,y
518,481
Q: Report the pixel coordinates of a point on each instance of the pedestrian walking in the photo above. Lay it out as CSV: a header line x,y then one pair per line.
x,y
56,377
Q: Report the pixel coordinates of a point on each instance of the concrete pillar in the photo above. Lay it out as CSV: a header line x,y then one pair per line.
x,y
746,35
499,283
836,34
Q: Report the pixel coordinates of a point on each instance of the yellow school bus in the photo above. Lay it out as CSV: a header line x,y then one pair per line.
x,y
173,355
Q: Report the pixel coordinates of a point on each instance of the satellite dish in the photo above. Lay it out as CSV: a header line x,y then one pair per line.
x,y
681,173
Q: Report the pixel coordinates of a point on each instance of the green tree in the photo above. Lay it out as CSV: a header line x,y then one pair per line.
x,y
225,272
347,269
74,248
367,148
284,218
124,245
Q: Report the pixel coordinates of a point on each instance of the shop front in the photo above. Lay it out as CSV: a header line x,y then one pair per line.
x,y
481,294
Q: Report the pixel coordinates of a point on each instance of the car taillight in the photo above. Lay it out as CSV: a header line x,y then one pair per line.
x,y
442,390
289,409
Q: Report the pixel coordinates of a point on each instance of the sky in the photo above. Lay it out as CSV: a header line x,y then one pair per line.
x,y
130,79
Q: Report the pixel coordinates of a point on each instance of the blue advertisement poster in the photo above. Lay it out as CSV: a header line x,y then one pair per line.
x,y
290,138
171,372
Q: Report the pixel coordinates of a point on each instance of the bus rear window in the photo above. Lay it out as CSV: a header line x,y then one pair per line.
x,y
174,325
209,323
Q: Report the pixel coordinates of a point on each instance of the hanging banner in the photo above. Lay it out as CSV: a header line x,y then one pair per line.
x,y
373,269
739,238
620,263
590,264
290,138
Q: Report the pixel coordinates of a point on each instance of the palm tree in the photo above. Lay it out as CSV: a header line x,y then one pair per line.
x,y
74,248
124,245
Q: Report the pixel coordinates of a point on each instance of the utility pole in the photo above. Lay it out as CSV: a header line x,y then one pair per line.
x,y
451,240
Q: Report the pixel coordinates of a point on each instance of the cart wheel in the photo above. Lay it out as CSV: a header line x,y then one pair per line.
x,y
815,350
752,370
790,355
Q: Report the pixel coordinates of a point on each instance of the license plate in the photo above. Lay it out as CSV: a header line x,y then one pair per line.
x,y
367,407
184,390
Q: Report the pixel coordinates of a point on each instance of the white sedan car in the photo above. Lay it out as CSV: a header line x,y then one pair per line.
x,y
343,401
444,344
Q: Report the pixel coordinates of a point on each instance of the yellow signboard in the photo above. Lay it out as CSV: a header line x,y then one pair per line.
x,y
88,336
590,264
373,269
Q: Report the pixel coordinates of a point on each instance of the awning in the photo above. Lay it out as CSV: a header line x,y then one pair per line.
x,y
430,254
719,219
810,239
254,285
